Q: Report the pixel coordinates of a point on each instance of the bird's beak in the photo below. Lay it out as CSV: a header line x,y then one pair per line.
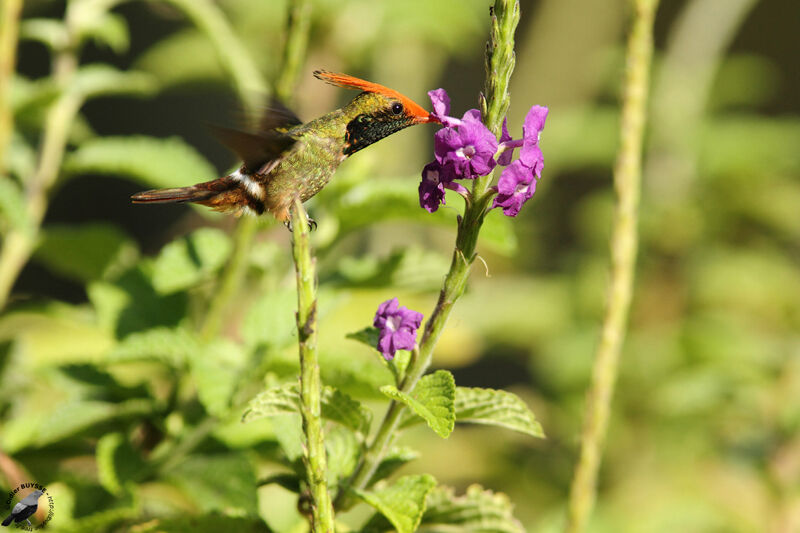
x,y
426,119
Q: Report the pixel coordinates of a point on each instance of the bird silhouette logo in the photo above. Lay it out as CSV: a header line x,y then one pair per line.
x,y
25,508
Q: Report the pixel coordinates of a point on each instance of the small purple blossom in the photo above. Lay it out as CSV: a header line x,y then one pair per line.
x,y
516,185
441,108
469,148
398,328
531,154
505,139
431,188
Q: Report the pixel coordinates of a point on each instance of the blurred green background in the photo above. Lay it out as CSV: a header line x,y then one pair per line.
x,y
101,378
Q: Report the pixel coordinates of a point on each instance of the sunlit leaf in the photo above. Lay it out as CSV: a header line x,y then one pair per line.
x,y
185,262
153,162
51,32
401,503
216,370
219,482
343,450
86,252
478,511
102,80
432,400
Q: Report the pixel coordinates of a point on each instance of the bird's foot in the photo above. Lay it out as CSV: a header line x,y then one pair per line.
x,y
312,225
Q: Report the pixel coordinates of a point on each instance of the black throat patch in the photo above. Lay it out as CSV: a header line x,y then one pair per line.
x,y
367,129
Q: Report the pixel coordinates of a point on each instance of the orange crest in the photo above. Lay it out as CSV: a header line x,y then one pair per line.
x,y
412,108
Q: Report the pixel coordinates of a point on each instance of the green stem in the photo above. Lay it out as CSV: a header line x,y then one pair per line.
x,y
232,54
310,384
9,29
297,24
19,243
627,181
500,64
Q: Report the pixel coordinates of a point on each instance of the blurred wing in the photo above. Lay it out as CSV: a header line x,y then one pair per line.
x,y
276,116
254,149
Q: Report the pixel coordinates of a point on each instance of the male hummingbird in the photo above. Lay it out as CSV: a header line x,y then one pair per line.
x,y
287,159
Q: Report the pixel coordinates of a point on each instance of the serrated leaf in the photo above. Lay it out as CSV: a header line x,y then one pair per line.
x,y
172,346
153,162
186,261
368,336
343,449
393,461
401,503
285,399
270,320
216,371
433,399
478,511
492,407
86,252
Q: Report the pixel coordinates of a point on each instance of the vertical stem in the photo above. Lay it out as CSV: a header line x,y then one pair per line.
x,y
9,29
500,65
627,178
19,243
297,24
310,385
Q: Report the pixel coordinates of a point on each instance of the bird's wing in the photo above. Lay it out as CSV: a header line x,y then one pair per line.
x,y
277,117
255,149
19,508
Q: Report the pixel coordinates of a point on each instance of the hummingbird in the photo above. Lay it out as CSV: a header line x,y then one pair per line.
x,y
286,159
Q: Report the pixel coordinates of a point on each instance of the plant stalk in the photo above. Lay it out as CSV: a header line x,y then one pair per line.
x,y
310,383
500,64
624,240
9,30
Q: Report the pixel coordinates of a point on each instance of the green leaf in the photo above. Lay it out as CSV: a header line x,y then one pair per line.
x,y
117,462
109,29
368,336
432,399
402,503
86,252
172,346
478,511
216,371
185,262
181,57
343,449
395,459
50,32
494,408
153,162
285,399
102,80
222,482
270,320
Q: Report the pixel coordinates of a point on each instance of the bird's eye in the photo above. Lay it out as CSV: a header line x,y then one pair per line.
x,y
397,108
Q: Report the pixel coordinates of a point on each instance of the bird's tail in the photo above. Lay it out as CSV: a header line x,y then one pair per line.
x,y
202,193
8,520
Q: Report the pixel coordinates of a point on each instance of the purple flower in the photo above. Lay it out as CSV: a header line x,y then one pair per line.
x,y
431,188
469,148
441,108
516,185
505,138
398,328
531,154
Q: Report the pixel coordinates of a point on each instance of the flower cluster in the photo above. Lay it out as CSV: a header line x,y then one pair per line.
x,y
397,328
466,149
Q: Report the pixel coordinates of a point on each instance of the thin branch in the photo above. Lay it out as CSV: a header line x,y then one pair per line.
x,y
624,240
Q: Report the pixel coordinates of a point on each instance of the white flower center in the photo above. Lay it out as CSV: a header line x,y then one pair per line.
x,y
433,175
521,188
466,151
393,322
